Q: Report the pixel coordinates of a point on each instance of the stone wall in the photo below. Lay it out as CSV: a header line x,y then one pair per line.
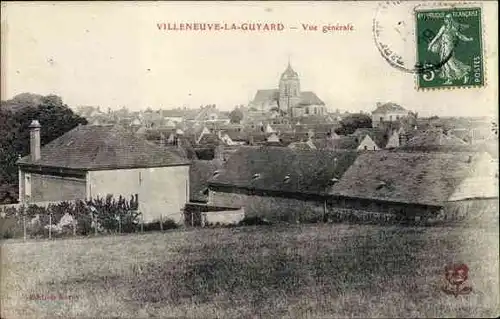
x,y
272,208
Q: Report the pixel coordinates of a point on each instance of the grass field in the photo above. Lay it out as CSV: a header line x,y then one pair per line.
x,y
301,271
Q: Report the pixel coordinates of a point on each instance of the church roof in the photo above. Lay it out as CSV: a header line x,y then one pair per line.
x,y
310,98
266,95
289,72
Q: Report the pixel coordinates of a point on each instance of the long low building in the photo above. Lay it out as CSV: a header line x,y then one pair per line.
x,y
286,184
277,182
415,183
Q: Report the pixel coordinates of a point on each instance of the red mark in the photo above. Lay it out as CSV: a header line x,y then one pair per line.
x,y
456,275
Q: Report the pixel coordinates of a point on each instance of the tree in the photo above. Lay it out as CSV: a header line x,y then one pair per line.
x,y
55,117
352,122
236,116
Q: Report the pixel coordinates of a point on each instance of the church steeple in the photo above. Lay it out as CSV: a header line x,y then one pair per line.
x,y
289,88
289,72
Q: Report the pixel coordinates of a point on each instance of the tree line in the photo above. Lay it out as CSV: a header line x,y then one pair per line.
x,y
16,115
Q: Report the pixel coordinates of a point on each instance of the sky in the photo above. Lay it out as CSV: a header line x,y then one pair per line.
x,y
112,54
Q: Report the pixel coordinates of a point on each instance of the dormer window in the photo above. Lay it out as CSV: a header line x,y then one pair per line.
x,y
286,179
255,176
381,185
333,181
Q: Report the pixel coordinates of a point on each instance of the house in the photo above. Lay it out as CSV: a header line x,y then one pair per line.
x,y
277,182
434,138
92,161
415,183
208,114
273,138
394,139
175,115
367,144
371,137
303,146
388,112
337,142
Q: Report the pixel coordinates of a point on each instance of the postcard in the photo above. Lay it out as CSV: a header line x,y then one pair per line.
x,y
249,159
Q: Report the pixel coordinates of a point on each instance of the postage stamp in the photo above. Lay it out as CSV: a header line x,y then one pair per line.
x,y
451,41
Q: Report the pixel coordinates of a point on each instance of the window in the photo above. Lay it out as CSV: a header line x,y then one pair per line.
x,y
381,185
397,117
366,148
333,181
390,117
381,119
27,184
307,110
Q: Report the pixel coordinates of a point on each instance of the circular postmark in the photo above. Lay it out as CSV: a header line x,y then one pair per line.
x,y
396,39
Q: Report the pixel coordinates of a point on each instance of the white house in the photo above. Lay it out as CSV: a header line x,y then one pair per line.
x,y
388,112
91,161
367,144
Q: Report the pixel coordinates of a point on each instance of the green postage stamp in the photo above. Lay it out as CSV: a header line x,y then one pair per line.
x,y
449,48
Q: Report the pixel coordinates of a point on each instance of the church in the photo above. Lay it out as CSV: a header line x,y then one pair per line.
x,y
288,98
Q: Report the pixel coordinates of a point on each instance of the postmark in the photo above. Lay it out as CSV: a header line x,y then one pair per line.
x,y
403,32
452,35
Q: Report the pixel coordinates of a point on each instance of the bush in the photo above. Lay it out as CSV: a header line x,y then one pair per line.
x,y
115,215
10,228
83,218
254,221
111,215
155,225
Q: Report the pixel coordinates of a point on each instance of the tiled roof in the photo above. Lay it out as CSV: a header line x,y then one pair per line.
x,y
309,172
379,136
303,146
190,114
102,147
306,97
340,142
419,178
389,107
174,113
265,95
310,98
434,138
199,174
210,139
289,72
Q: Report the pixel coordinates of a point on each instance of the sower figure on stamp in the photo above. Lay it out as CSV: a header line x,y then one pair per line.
x,y
443,43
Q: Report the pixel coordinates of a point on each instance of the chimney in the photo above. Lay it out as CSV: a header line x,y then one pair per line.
x,y
35,140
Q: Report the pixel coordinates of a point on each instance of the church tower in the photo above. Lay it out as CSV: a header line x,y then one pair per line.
x,y
289,89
